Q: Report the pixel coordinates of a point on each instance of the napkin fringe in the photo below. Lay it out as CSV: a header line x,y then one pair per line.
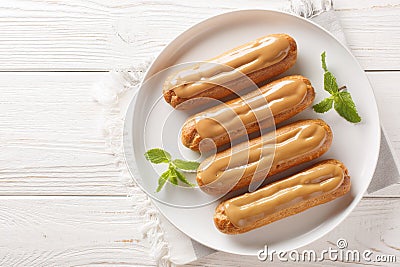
x,y
309,8
153,233
108,92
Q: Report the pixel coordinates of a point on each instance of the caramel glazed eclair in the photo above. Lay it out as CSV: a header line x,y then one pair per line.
x,y
260,60
236,167
317,185
284,98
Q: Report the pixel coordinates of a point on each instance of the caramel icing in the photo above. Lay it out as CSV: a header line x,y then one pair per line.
x,y
251,207
255,107
253,160
261,53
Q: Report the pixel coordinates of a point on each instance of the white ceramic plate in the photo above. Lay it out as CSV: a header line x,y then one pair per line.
x,y
355,145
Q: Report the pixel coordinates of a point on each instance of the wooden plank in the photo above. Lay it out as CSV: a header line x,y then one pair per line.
x,y
72,231
59,231
359,4
52,142
372,36
102,35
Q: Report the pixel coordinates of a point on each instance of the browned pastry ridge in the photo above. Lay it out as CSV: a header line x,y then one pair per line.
x,y
191,138
257,76
276,167
223,223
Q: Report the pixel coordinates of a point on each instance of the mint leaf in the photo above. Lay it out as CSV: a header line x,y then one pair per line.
x,y
344,105
186,165
182,178
173,178
162,180
157,155
323,60
324,105
330,84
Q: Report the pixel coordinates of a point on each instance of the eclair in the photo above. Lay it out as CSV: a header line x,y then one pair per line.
x,y
281,99
264,156
317,185
232,71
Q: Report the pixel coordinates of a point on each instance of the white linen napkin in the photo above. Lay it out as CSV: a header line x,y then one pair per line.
x,y
168,245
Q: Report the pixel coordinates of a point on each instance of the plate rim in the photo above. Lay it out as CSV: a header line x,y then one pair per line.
x,y
148,74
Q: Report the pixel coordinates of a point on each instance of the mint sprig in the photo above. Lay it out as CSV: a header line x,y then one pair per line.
x,y
172,174
340,98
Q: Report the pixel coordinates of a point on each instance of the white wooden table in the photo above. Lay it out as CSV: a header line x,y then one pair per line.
x,y
61,200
